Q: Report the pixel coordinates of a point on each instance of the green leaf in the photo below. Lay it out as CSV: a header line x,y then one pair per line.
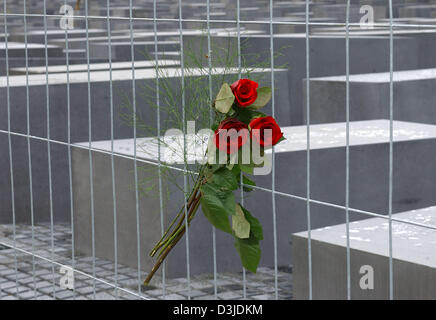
x,y
249,251
224,99
215,127
246,168
215,167
217,206
240,225
255,226
225,179
264,95
246,114
236,172
247,181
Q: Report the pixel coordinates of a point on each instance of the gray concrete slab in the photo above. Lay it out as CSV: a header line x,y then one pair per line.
x,y
414,264
418,10
369,154
338,11
36,55
327,56
100,114
3,37
122,50
413,97
94,67
17,49
38,36
369,177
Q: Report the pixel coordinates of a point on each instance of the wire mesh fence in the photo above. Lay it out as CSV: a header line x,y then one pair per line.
x,y
75,222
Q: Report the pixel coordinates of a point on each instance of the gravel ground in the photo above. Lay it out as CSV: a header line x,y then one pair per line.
x,y
27,276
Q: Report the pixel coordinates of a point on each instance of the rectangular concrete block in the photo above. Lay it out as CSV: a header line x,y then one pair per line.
x,y
122,50
79,122
95,67
413,97
125,217
369,52
17,50
414,263
200,230
369,164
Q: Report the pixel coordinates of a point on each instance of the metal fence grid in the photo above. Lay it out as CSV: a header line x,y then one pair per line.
x,y
274,193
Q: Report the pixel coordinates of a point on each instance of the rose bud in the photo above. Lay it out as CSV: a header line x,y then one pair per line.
x,y
258,127
231,135
245,92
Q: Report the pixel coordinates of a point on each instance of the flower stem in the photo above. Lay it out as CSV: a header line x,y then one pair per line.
x,y
192,197
161,259
191,213
162,241
168,241
173,241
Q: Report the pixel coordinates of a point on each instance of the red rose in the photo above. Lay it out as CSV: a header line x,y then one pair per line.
x,y
231,135
258,127
245,91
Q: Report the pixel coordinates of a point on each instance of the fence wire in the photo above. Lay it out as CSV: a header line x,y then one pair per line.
x,y
92,151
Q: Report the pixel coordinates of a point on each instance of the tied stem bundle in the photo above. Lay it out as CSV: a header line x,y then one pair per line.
x,y
177,228
237,122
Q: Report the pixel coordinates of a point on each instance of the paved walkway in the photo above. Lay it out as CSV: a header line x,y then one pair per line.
x,y
23,276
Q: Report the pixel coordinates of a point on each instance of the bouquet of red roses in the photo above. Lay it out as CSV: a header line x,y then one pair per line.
x,y
236,149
